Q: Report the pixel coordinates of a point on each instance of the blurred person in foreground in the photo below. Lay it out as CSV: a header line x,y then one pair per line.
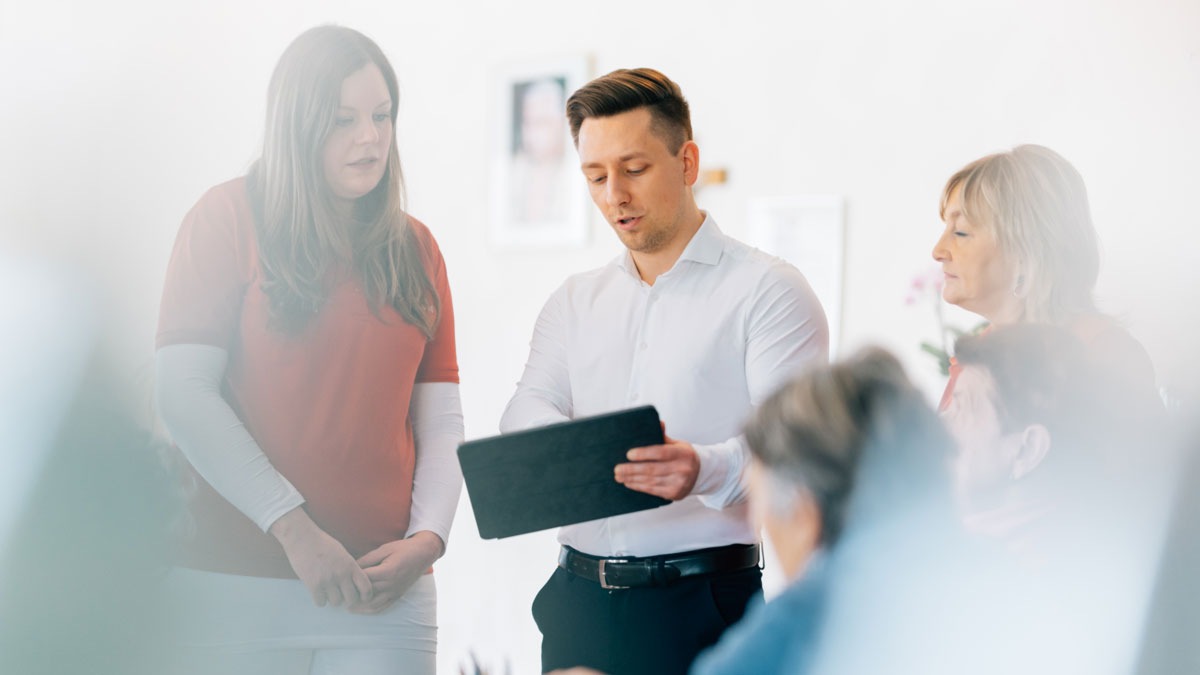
x,y
843,455
1169,644
1032,428
1043,471
81,574
1019,246
85,504
306,369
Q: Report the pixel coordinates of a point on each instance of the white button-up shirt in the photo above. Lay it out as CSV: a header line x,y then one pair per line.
x,y
713,337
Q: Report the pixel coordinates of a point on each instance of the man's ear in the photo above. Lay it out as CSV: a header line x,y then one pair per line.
x,y
1035,445
690,154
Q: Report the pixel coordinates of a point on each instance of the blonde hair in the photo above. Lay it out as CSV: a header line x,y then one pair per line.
x,y
303,239
1036,204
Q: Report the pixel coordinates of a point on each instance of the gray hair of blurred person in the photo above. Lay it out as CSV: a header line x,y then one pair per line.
x,y
302,237
1036,203
818,434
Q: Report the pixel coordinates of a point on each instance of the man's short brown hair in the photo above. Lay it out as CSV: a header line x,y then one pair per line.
x,y
624,90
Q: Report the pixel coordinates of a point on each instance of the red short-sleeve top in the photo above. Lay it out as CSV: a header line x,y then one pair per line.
x,y
327,405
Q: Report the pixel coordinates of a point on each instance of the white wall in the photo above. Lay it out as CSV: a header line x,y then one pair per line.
x,y
115,119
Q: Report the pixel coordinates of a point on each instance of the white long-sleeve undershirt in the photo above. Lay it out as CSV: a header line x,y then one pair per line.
x,y
217,444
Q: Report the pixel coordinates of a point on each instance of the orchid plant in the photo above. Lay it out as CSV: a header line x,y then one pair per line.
x,y
927,287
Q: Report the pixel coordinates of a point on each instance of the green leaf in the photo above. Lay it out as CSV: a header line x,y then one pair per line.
x,y
933,350
943,359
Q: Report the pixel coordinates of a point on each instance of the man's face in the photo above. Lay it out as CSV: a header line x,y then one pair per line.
x,y
983,467
639,185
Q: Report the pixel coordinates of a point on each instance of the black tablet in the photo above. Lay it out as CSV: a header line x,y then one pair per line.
x,y
556,475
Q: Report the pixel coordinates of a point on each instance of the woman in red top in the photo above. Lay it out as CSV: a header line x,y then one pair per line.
x,y
1019,246
306,369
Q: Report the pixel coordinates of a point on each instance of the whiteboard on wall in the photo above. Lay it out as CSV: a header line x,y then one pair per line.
x,y
809,232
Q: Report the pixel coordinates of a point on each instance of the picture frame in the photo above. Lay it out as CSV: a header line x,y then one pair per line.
x,y
538,198
809,232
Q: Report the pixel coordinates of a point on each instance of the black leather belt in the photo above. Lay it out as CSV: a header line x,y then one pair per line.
x,y
659,570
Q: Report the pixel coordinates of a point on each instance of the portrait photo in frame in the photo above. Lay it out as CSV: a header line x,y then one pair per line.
x,y
538,198
809,232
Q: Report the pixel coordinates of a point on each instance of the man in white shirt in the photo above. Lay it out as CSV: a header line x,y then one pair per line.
x,y
699,325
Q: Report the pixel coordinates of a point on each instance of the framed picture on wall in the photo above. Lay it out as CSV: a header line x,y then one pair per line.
x,y
809,232
538,198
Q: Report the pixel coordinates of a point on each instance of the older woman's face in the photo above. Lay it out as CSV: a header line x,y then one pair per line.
x,y
356,150
978,275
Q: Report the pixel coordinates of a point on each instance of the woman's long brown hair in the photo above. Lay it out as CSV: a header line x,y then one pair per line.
x,y
304,241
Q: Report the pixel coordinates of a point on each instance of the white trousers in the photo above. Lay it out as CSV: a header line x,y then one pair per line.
x,y
231,625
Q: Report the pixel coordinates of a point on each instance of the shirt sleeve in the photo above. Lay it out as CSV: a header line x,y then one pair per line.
x,y
212,437
437,420
543,395
786,332
440,362
207,274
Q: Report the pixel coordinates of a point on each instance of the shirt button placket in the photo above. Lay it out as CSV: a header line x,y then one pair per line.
x,y
642,345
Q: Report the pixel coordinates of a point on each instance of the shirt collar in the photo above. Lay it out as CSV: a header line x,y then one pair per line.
x,y
705,247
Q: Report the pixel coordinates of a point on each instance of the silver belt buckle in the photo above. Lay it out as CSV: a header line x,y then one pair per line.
x,y
604,575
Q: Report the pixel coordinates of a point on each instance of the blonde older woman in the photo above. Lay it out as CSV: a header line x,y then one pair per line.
x,y
1019,246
